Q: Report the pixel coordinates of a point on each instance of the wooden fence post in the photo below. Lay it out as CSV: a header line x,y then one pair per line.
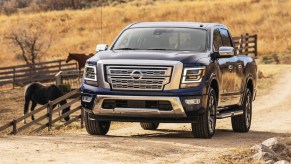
x,y
14,127
82,117
247,44
60,65
50,116
59,78
13,80
30,71
256,44
240,44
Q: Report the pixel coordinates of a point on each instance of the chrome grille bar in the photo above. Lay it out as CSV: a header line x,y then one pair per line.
x,y
138,77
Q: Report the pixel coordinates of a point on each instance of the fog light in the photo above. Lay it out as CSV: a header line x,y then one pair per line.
x,y
192,101
86,98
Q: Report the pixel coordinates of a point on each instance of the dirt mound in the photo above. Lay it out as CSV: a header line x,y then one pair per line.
x,y
274,150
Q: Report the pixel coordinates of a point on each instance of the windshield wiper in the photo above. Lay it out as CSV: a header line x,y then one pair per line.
x,y
162,49
126,48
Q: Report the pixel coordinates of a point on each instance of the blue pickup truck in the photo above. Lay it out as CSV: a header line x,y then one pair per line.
x,y
169,72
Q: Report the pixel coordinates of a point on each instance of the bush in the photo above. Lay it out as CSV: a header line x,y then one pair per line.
x,y
66,88
267,60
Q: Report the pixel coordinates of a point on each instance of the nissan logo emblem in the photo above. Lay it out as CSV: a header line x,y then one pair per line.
x,y
136,75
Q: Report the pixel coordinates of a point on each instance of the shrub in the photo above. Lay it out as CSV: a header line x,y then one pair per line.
x,y
66,88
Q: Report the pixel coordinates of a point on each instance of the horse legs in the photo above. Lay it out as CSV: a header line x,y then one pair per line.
x,y
65,110
33,105
53,93
26,105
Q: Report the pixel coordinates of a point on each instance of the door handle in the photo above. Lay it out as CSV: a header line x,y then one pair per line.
x,y
230,67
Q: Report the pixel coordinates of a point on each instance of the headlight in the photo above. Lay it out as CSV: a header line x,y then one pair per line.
x,y
90,74
192,77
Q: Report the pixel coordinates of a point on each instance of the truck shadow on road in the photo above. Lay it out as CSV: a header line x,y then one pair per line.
x,y
228,137
220,133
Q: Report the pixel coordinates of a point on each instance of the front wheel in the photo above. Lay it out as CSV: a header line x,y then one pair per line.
x,y
95,127
205,127
242,123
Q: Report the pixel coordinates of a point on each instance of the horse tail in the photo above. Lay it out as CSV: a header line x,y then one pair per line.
x,y
27,97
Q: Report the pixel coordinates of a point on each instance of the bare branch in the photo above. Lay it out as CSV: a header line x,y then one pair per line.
x,y
32,40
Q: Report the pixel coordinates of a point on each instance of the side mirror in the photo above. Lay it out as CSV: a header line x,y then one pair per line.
x,y
226,52
101,47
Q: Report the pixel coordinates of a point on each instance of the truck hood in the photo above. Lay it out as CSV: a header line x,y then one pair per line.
x,y
184,57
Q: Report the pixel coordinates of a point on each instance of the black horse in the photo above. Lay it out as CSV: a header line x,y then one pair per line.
x,y
38,93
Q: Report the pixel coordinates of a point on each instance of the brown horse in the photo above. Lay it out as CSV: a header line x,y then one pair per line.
x,y
80,58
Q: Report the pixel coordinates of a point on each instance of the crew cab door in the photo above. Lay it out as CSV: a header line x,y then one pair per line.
x,y
235,64
230,81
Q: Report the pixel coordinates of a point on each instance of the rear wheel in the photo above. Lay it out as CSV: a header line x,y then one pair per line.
x,y
205,127
95,127
149,125
242,123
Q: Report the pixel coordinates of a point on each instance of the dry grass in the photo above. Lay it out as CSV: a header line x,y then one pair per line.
x,y
238,156
271,72
79,31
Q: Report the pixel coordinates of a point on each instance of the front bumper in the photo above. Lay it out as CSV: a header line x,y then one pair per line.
x,y
180,112
176,112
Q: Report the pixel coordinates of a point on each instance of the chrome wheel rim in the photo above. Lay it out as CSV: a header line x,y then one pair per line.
x,y
211,114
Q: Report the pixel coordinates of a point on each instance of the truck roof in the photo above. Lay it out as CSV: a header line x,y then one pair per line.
x,y
174,24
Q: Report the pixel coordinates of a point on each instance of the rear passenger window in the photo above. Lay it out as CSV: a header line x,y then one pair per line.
x,y
226,41
216,40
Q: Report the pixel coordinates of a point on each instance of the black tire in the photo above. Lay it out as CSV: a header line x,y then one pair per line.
x,y
242,123
149,125
205,127
95,127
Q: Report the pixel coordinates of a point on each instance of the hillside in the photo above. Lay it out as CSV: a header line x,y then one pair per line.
x,y
79,30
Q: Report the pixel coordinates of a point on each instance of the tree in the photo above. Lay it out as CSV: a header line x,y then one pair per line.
x,y
30,40
9,7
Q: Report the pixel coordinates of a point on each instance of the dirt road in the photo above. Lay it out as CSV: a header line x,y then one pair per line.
x,y
170,143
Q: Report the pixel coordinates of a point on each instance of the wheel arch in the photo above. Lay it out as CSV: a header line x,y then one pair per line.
x,y
215,86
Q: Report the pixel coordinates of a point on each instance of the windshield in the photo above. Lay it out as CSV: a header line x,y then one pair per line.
x,y
175,39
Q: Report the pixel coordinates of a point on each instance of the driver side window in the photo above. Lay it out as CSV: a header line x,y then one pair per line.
x,y
226,40
217,41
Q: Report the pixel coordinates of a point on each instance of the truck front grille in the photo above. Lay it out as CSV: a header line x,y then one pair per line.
x,y
149,78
